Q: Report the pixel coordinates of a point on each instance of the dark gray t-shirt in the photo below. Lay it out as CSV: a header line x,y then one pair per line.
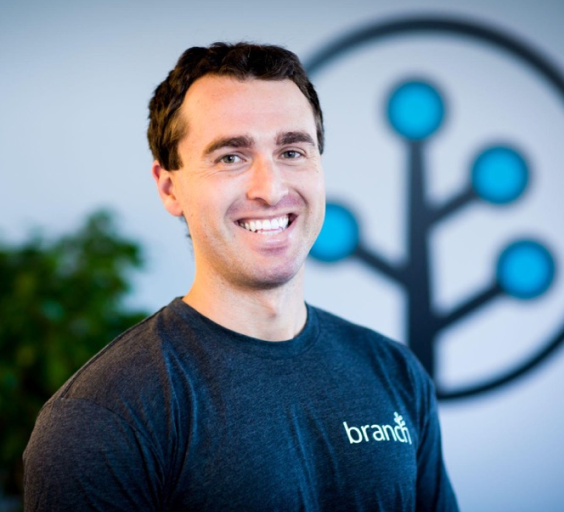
x,y
182,414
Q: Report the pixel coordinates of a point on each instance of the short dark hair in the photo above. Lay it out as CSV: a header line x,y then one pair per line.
x,y
241,61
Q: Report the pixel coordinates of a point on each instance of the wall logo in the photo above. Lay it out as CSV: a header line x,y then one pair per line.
x,y
398,433
500,174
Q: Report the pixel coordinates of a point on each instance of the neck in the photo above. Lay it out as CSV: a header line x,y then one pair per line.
x,y
275,314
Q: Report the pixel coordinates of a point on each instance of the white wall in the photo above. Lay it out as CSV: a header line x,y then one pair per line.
x,y
76,78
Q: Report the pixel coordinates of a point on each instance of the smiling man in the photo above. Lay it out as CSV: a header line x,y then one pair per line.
x,y
250,186
240,396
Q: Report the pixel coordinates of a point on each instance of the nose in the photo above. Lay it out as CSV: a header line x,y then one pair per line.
x,y
266,182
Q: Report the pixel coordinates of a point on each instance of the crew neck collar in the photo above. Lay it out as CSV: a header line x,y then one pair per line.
x,y
269,349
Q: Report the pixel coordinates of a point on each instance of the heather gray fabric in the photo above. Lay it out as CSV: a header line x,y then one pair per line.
x,y
182,414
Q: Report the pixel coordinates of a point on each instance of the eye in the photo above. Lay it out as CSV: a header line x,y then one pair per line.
x,y
230,159
291,154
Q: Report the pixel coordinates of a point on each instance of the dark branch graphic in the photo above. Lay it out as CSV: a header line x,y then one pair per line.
x,y
499,175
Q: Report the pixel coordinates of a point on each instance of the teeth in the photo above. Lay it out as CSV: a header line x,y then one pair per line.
x,y
266,225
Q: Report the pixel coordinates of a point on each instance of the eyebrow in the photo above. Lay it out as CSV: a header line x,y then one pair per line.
x,y
245,141
242,141
293,137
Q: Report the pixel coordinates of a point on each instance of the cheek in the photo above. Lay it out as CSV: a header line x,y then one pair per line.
x,y
310,182
206,217
317,186
320,203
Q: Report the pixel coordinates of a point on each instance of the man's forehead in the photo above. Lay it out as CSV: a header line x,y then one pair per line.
x,y
214,80
215,90
229,108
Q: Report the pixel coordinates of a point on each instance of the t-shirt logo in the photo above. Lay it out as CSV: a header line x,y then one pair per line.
x,y
366,433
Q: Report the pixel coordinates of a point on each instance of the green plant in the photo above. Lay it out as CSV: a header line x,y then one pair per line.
x,y
60,302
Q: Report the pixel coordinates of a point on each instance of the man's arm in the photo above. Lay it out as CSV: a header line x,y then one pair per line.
x,y
434,490
84,457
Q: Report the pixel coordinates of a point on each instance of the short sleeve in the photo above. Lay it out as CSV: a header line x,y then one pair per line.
x,y
434,490
85,457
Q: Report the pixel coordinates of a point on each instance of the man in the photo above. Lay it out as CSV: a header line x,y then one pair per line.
x,y
239,396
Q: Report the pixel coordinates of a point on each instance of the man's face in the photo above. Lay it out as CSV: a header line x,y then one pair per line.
x,y
251,186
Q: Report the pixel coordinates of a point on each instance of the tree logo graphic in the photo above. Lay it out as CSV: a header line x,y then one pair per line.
x,y
499,175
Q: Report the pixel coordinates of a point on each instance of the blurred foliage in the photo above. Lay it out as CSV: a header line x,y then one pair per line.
x,y
61,301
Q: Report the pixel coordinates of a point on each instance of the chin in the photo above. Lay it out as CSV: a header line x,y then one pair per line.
x,y
274,278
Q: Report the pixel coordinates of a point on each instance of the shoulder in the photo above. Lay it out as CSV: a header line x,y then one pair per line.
x,y
82,456
122,399
130,368
389,355
358,335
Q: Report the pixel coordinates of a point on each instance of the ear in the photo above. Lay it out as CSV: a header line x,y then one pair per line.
x,y
166,188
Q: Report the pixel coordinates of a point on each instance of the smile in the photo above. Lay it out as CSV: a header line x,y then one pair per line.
x,y
266,226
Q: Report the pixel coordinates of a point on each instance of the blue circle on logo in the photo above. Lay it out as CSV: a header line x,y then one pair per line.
x,y
339,235
415,109
535,61
525,269
500,175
